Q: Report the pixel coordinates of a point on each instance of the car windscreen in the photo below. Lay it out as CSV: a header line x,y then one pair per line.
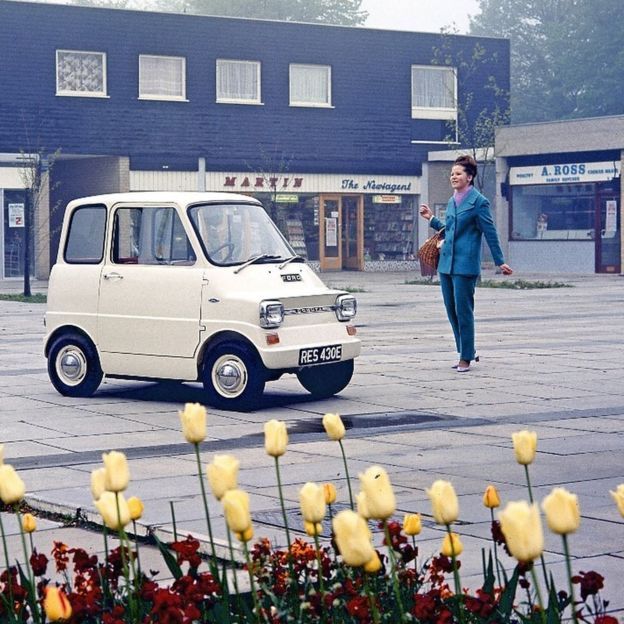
x,y
234,233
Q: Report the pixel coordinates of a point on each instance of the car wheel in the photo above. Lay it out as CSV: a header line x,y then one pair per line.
x,y
233,377
326,380
74,366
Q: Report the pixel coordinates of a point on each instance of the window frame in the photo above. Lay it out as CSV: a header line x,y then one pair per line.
x,y
434,112
228,100
302,103
163,97
92,260
93,94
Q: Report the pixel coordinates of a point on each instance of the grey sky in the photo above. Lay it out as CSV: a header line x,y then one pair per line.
x,y
419,15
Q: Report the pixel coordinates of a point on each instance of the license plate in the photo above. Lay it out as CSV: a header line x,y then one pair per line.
x,y
320,355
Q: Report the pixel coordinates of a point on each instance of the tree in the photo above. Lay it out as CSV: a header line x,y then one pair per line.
x,y
343,12
567,60
476,123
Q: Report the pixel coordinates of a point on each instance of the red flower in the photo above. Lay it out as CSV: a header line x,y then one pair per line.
x,y
424,607
38,563
606,619
61,557
358,608
187,550
591,583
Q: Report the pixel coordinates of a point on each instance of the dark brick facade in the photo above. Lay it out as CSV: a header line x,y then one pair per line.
x,y
368,130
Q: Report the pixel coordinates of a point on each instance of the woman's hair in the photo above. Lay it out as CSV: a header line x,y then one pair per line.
x,y
469,164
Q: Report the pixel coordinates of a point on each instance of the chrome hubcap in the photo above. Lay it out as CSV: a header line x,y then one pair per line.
x,y
71,365
229,376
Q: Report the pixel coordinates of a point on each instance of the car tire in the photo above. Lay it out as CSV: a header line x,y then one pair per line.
x,y
326,380
74,366
233,377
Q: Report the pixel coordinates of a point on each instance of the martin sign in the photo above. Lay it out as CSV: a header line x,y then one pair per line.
x,y
565,173
313,183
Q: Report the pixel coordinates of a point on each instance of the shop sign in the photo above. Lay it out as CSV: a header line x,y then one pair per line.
x,y
386,199
258,182
565,173
371,184
16,215
285,198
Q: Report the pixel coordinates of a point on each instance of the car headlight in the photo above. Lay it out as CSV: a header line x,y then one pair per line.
x,y
271,314
346,307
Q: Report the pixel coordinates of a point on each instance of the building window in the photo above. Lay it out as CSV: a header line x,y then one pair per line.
x,y
238,82
310,85
434,92
162,77
80,73
553,212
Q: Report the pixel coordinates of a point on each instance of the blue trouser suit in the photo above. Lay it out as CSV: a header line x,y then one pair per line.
x,y
460,263
458,295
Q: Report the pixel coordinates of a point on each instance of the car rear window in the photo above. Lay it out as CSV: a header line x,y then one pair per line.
x,y
85,238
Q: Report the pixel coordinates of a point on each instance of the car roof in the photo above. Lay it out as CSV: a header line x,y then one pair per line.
x,y
154,197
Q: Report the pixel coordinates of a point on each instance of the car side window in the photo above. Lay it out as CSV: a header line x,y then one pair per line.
x,y
150,236
85,236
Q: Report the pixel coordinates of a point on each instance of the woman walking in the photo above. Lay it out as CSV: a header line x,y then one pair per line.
x,y
468,219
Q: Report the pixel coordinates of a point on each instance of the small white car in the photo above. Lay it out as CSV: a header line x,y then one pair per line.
x,y
191,287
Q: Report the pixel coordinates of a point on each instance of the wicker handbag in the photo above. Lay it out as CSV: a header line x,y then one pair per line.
x,y
429,253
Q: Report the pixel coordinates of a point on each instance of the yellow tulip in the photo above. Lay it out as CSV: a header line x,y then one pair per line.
x,y
117,474
29,523
98,482
362,505
353,538
380,501
443,502
236,509
491,499
374,565
329,489
451,545
313,528
275,437
246,535
334,426
113,517
12,488
525,446
193,420
312,501
56,605
222,474
618,497
135,507
562,511
412,524
522,528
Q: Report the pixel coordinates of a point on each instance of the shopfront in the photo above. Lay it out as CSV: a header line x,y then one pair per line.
x,y
336,222
570,210
12,224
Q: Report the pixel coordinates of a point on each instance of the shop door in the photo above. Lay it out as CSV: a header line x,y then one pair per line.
x,y
353,232
608,241
330,230
13,231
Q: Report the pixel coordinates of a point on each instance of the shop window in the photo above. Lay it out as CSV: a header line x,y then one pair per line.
x,y
310,85
80,73
238,82
162,77
85,239
553,212
434,92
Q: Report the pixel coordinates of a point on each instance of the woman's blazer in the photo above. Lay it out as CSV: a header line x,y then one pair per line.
x,y
465,225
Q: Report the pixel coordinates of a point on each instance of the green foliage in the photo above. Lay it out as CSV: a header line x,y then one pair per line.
x,y
34,298
567,60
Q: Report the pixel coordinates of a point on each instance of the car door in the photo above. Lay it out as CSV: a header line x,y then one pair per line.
x,y
150,286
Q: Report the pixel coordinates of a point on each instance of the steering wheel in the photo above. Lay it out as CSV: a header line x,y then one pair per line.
x,y
228,256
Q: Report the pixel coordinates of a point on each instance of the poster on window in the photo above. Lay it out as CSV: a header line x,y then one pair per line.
x,y
331,232
611,216
16,215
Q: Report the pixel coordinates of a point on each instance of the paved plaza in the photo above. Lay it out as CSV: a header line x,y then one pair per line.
x,y
551,361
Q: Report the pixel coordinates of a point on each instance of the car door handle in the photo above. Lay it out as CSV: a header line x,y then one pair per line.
x,y
112,276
